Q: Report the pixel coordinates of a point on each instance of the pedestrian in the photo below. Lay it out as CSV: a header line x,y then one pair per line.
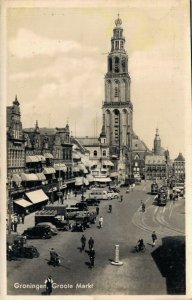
x,y
121,198
91,243
171,196
143,207
101,222
49,285
15,226
92,257
110,208
154,238
97,210
83,242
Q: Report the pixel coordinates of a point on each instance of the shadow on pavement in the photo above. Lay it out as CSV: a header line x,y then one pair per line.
x,y
170,259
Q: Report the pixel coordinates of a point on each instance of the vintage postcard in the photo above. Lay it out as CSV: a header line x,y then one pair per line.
x,y
96,151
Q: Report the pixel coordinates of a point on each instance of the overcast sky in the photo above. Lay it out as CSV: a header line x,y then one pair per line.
x,y
57,59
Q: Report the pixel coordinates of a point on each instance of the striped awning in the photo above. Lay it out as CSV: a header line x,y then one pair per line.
x,y
86,181
22,202
29,177
114,174
16,178
107,163
75,155
75,169
79,181
41,176
37,196
60,167
49,171
32,158
102,179
90,177
86,162
48,155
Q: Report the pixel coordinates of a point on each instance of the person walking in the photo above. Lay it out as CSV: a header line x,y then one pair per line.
x,y
121,197
15,226
154,238
110,208
97,210
92,257
49,285
83,242
23,218
101,222
91,243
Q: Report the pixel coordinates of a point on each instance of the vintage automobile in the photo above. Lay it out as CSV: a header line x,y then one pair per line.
x,y
80,205
37,232
92,202
81,223
113,195
19,249
49,225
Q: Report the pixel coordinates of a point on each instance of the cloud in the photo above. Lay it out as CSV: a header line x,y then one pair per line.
x,y
28,44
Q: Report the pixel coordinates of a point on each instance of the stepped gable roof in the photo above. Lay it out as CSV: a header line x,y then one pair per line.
x,y
180,157
155,159
138,144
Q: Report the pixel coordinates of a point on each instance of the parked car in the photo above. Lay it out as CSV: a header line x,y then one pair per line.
x,y
71,212
15,251
92,202
113,195
115,190
49,225
37,232
80,205
99,195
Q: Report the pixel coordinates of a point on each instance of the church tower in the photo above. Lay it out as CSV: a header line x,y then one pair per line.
x,y
117,107
157,143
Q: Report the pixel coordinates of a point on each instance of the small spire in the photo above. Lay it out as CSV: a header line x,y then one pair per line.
x,y
118,21
36,126
16,102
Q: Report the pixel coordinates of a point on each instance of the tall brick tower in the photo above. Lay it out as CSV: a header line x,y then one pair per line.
x,y
117,107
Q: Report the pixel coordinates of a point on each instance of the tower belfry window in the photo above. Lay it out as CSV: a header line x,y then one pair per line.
x,y
116,45
116,92
116,64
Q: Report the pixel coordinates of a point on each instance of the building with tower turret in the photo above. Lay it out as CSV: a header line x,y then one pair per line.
x,y
15,140
117,107
157,143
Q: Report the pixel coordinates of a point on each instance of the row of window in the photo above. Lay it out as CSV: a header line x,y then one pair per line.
x,y
95,153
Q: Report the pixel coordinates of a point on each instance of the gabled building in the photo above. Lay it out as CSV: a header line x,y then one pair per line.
x,y
179,167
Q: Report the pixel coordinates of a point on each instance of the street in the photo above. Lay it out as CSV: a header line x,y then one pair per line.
x,y
148,273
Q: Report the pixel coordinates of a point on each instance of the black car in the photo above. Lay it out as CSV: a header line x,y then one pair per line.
x,y
81,205
38,232
91,202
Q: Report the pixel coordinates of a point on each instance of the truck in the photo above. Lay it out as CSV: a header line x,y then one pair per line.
x,y
51,216
84,219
